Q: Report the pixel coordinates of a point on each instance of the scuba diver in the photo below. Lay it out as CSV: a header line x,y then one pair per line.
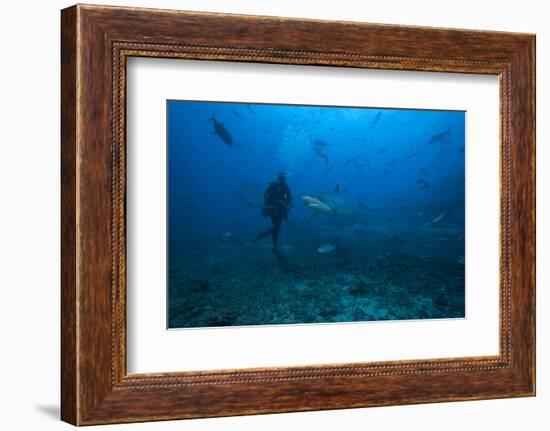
x,y
277,201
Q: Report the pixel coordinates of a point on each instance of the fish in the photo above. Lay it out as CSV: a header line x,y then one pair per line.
x,y
326,248
222,132
461,260
423,184
319,143
376,118
439,217
250,108
236,114
227,235
319,149
410,156
317,205
438,137
322,156
380,150
331,203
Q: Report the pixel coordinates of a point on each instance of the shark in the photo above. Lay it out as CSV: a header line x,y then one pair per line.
x,y
438,137
318,206
331,204
319,149
221,132
376,118
236,113
423,184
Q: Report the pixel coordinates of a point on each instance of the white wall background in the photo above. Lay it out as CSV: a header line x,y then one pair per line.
x,y
29,215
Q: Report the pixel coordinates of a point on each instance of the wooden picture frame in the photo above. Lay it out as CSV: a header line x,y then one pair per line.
x,y
95,43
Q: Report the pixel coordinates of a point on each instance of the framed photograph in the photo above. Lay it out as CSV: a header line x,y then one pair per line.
x,y
264,214
360,230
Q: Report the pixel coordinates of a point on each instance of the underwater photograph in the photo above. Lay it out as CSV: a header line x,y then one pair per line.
x,y
297,214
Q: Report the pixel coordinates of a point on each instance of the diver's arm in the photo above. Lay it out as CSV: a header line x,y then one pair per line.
x,y
288,196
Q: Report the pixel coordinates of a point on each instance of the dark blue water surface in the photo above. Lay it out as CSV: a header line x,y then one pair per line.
x,y
389,246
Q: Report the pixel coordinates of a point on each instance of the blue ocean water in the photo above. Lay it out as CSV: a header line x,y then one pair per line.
x,y
375,229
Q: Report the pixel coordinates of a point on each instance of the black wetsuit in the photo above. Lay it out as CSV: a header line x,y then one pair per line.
x,y
277,200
